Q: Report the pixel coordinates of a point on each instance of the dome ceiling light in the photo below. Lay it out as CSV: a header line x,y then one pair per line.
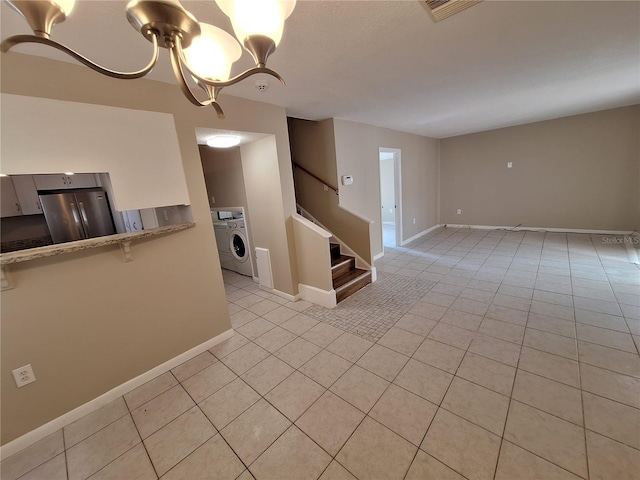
x,y
199,50
223,141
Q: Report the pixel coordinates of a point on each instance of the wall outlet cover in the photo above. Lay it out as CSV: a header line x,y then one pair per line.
x,y
459,212
23,375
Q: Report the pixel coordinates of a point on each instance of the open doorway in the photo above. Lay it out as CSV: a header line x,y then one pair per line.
x,y
390,196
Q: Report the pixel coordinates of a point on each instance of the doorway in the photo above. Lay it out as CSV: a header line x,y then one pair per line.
x,y
390,197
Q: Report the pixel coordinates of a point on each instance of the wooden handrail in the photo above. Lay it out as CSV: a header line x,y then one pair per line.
x,y
295,165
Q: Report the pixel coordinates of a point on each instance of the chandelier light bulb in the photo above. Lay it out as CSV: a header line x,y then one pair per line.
x,y
66,5
257,17
212,53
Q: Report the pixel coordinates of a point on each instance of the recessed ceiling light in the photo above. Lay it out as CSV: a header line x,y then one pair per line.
x,y
223,141
69,173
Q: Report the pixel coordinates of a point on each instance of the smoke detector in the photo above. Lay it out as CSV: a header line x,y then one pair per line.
x,y
261,85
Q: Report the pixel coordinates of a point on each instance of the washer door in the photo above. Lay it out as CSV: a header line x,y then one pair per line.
x,y
238,245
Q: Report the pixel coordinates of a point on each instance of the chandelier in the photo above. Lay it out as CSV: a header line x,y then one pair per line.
x,y
199,50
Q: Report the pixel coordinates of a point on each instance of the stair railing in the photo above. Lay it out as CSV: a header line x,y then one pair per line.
x,y
313,175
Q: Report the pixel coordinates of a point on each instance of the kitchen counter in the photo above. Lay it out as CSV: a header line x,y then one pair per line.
x,y
124,239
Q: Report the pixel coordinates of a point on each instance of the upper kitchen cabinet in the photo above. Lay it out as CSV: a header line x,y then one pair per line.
x,y
9,205
62,181
27,194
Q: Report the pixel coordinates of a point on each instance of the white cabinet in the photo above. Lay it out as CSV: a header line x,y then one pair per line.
x,y
27,194
61,181
132,220
9,206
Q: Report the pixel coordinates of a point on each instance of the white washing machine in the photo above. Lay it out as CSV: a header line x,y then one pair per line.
x,y
239,247
221,230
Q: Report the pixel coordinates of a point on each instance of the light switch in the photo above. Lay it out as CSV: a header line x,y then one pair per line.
x,y
509,164
347,180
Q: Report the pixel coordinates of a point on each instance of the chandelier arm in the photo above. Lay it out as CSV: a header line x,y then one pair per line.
x,y
232,81
212,93
176,66
218,109
14,40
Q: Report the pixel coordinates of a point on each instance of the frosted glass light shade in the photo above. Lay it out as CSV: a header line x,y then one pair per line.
x,y
223,141
257,17
65,5
211,54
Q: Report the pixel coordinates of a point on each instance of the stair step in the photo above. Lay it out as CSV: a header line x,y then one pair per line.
x,y
335,250
342,265
350,282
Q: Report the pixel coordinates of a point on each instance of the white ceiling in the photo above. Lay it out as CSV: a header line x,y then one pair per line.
x,y
387,63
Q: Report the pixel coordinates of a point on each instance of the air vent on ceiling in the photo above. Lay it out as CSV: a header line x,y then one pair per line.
x,y
441,9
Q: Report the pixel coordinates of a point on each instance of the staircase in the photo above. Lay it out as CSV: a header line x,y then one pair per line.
x,y
347,279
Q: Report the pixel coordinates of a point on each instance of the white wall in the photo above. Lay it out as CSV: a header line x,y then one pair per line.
x,y
41,135
387,191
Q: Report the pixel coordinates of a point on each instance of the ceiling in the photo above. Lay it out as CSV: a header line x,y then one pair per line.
x,y
387,63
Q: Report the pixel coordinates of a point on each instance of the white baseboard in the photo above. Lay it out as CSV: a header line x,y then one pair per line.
x,y
544,229
286,296
378,256
62,421
374,274
317,296
421,234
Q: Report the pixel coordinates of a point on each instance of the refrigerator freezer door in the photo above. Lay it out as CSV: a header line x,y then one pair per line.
x,y
62,216
95,213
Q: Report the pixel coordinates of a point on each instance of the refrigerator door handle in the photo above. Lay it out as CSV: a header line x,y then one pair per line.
x,y
76,219
85,219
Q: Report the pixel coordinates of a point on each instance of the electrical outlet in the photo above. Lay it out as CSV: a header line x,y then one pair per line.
x,y
414,221
213,200
459,212
509,164
24,375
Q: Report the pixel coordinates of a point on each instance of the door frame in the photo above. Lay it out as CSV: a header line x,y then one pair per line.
x,y
397,190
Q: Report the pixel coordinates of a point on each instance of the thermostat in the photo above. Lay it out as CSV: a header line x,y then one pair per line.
x,y
347,180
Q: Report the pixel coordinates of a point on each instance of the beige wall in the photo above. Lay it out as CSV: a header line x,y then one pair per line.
x,y
223,177
579,172
313,254
224,180
357,154
260,167
87,321
313,147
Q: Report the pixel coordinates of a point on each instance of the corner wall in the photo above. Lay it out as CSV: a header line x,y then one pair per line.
x,y
357,154
578,172
89,322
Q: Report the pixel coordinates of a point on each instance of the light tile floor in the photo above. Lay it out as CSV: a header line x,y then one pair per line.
x,y
518,360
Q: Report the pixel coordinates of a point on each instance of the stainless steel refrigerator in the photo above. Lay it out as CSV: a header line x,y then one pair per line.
x,y
76,215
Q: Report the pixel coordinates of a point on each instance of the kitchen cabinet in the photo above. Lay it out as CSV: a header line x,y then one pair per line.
x,y
9,205
132,220
27,194
60,181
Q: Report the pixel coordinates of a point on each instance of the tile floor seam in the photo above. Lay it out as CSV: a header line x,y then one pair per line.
x,y
146,451
506,419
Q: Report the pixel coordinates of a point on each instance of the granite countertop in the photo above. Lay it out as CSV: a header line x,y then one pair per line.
x,y
62,248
